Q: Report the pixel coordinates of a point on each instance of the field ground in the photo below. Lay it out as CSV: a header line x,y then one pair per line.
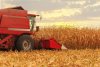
x,y
51,58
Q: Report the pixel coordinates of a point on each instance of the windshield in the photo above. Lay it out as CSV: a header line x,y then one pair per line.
x,y
32,22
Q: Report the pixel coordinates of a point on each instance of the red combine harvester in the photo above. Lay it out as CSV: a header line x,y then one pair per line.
x,y
16,26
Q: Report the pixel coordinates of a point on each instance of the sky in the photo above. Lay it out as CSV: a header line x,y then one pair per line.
x,y
86,12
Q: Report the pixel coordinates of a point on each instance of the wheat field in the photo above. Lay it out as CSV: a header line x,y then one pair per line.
x,y
50,58
72,38
83,50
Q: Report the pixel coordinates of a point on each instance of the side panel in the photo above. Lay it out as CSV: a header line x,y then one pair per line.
x,y
13,32
15,22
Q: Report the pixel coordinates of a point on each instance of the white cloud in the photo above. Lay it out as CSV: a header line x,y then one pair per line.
x,y
8,5
4,4
81,2
60,13
93,5
55,1
96,4
95,18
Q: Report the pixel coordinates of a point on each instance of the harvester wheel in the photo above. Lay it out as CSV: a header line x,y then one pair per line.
x,y
24,42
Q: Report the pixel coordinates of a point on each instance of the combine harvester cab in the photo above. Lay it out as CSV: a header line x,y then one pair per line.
x,y
16,26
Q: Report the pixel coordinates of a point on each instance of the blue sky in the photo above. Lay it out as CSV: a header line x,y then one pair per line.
x,y
60,10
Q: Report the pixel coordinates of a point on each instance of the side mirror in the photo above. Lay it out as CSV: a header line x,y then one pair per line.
x,y
37,28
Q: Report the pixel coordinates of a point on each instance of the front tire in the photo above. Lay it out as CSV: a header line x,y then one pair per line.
x,y
24,42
